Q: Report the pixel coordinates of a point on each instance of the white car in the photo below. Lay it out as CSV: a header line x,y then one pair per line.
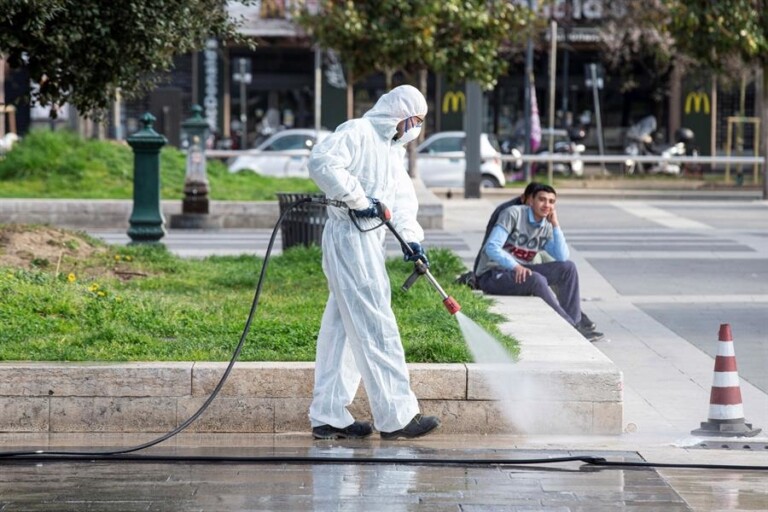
x,y
282,155
441,161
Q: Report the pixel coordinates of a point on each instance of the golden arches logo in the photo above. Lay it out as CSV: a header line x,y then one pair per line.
x,y
698,100
455,101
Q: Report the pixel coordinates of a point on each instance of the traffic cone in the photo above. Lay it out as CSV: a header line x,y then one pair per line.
x,y
726,412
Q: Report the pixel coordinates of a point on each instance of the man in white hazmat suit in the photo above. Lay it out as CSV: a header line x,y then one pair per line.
x,y
360,163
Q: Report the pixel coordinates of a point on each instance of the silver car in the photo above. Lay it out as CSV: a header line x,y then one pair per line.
x,y
282,155
441,161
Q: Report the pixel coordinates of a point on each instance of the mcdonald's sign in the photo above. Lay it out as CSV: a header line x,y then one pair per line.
x,y
455,101
697,101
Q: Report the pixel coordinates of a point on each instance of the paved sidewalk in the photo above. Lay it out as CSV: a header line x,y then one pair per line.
x,y
409,480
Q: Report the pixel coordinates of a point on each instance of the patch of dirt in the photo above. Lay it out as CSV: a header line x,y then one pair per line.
x,y
47,248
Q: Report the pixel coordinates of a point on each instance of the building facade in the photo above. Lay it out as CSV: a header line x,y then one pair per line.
x,y
285,82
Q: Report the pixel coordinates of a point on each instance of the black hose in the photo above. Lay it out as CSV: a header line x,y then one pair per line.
x,y
590,461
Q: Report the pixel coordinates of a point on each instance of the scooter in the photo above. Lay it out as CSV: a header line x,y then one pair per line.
x,y
569,144
640,142
508,147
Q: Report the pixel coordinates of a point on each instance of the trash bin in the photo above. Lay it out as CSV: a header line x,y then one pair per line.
x,y
304,224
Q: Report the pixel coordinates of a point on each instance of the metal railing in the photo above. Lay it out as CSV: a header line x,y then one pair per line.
x,y
620,159
623,159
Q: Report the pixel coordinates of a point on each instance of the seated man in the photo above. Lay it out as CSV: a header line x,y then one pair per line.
x,y
504,265
523,198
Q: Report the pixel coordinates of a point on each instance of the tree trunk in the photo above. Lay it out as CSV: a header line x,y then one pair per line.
x,y
350,95
413,168
764,128
2,94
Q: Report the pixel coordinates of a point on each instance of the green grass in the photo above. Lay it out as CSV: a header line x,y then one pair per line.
x,y
176,309
62,165
173,309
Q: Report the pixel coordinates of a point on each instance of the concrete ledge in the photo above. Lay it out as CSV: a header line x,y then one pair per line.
x,y
115,214
561,385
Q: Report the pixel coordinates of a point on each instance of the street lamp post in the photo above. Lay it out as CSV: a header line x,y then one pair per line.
x,y
243,77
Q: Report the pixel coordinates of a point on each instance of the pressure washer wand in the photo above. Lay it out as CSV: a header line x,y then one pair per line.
x,y
449,302
385,216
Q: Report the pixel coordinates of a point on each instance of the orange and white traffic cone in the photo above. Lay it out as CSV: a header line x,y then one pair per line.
x,y
726,412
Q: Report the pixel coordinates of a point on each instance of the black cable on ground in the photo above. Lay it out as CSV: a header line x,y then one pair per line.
x,y
214,393
597,462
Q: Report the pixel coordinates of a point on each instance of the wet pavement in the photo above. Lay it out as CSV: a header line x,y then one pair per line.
x,y
441,472
388,486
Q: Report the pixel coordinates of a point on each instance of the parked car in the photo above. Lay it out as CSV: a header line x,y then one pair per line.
x,y
441,161
283,155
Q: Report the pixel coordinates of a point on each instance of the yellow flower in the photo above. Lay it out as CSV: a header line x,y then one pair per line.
x,y
100,293
128,258
93,287
117,257
71,277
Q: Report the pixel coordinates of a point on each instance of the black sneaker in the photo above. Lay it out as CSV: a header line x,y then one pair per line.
x,y
357,430
419,426
591,334
587,323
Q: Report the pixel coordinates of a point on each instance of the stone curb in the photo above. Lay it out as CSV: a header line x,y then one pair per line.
x,y
561,385
114,214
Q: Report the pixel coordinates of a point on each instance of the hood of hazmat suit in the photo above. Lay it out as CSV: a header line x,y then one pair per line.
x,y
360,160
359,337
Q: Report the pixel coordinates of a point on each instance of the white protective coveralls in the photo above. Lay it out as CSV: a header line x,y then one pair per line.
x,y
359,334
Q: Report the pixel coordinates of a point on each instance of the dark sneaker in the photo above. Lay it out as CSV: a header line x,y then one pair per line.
x,y
587,323
591,334
357,430
419,426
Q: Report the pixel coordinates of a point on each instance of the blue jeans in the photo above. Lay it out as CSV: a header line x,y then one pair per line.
x,y
561,276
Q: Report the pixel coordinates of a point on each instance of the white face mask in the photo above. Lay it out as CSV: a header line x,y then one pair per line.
x,y
408,136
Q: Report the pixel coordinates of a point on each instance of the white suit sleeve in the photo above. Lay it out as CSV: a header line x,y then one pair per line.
x,y
406,207
329,166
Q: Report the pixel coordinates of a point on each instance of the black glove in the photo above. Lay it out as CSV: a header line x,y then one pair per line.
x,y
371,212
417,254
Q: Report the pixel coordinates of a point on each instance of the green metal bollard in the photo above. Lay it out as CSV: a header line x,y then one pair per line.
x,y
147,218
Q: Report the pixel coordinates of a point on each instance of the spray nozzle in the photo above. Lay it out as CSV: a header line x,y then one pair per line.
x,y
451,305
